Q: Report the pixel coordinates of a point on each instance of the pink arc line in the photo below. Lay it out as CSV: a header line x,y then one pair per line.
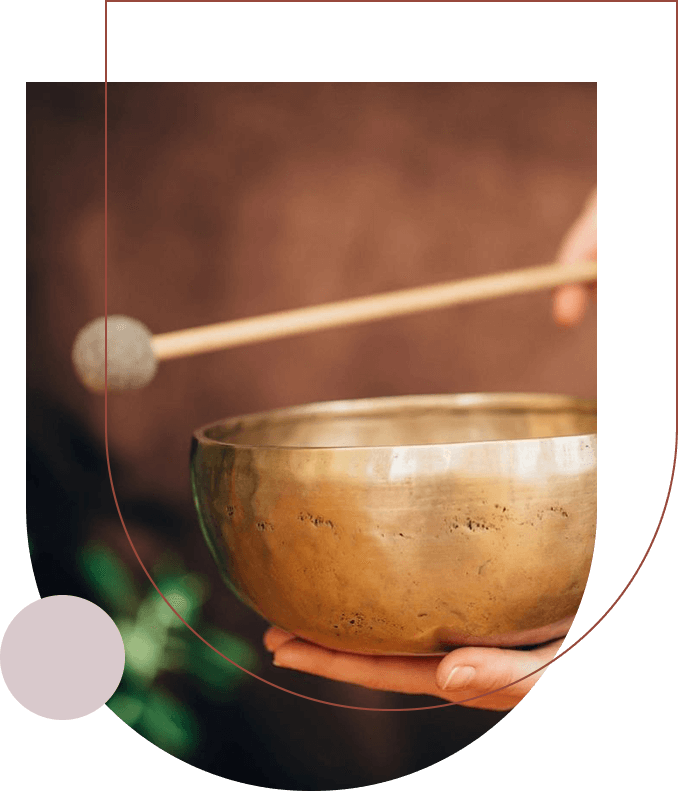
x,y
131,543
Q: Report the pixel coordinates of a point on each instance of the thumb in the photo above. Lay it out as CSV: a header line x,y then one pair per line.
x,y
469,672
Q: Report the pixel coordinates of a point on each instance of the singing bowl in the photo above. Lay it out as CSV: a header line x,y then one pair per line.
x,y
405,525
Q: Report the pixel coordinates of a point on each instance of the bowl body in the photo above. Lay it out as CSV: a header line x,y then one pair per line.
x,y
405,525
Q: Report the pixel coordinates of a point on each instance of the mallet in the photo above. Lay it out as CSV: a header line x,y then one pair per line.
x,y
134,352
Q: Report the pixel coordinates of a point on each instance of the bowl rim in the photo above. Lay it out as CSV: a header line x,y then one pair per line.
x,y
517,401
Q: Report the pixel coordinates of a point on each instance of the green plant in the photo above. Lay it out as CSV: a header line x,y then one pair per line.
x,y
157,643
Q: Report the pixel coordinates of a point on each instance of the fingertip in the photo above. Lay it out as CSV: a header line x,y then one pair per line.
x,y
275,637
459,677
569,305
449,668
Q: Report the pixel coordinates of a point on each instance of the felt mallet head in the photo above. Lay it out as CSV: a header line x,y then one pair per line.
x,y
131,361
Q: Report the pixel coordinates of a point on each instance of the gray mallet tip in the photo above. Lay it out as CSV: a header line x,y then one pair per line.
x,y
131,361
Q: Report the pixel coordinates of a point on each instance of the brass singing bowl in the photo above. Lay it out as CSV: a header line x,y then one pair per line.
x,y
405,525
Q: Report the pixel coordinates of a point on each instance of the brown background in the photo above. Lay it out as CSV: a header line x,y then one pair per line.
x,y
228,201
232,201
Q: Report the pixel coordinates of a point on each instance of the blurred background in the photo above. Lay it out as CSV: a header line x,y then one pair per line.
x,y
233,200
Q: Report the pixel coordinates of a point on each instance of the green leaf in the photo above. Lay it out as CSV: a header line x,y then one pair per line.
x,y
144,649
168,724
109,577
127,707
212,670
186,593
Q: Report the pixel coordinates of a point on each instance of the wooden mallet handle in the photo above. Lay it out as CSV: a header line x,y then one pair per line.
x,y
225,335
